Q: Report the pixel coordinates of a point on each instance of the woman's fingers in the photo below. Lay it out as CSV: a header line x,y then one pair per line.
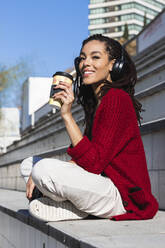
x,y
64,97
29,188
64,86
66,93
61,93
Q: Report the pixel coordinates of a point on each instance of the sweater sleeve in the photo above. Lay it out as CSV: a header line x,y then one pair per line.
x,y
110,134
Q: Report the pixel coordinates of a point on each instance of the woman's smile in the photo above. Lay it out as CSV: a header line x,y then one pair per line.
x,y
88,72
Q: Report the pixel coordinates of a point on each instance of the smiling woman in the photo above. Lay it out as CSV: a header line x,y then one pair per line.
x,y
107,176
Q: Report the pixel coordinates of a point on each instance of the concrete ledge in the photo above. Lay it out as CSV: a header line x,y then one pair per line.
x,y
152,126
151,90
88,233
149,52
48,153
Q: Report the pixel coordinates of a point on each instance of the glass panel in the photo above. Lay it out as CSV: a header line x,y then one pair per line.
x,y
97,11
138,6
97,1
97,21
155,3
97,31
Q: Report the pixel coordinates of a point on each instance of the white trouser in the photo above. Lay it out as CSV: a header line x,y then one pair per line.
x,y
91,193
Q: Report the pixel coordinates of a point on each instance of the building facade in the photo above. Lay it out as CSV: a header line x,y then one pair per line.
x,y
35,94
109,17
9,127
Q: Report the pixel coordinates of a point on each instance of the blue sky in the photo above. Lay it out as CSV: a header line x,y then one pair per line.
x,y
47,34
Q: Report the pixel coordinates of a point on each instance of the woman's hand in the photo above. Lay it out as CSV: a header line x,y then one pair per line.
x,y
71,161
66,96
29,187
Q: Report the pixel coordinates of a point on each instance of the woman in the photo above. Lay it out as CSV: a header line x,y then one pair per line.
x,y
107,176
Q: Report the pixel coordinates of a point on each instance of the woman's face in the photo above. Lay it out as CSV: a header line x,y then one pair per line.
x,y
94,64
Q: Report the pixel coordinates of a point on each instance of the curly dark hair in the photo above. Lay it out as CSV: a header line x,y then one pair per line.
x,y
85,94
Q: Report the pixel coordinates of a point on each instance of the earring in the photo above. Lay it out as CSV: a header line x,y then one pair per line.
x,y
79,81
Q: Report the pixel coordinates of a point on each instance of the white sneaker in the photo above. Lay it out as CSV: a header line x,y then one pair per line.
x,y
46,209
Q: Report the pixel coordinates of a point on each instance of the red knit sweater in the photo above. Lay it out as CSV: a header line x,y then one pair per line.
x,y
116,149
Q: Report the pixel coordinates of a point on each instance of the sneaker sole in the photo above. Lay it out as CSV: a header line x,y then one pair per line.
x,y
45,209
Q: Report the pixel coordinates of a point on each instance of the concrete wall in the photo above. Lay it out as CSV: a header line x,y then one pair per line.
x,y
150,90
154,144
14,233
152,33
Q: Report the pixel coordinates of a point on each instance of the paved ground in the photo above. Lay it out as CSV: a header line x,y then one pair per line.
x,y
98,232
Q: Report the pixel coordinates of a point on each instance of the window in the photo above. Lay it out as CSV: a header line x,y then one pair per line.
x,y
97,1
97,21
127,6
118,7
97,31
133,16
97,11
133,27
118,29
126,17
140,7
155,3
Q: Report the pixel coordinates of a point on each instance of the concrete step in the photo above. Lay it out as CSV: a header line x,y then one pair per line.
x,y
150,65
18,229
141,56
146,57
152,100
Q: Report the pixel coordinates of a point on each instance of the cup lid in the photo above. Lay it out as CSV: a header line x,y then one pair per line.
x,y
62,73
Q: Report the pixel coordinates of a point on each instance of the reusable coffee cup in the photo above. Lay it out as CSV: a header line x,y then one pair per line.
x,y
58,77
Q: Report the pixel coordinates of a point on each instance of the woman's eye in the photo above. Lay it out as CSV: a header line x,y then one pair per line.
x,y
82,58
95,57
